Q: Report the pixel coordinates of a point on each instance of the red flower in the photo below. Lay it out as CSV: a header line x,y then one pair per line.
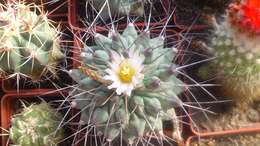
x,y
251,13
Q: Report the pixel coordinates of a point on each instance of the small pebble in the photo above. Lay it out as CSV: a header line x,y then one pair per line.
x,y
258,108
253,115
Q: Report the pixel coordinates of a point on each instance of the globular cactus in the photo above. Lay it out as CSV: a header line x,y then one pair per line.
x,y
29,42
237,49
119,7
127,85
36,125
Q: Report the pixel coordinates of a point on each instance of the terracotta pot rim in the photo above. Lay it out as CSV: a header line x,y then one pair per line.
x,y
228,132
7,89
190,138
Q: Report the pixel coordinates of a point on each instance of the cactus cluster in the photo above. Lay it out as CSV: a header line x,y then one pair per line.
x,y
36,125
127,85
119,7
29,42
238,60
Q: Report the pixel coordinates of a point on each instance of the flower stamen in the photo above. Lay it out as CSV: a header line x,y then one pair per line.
x,y
126,72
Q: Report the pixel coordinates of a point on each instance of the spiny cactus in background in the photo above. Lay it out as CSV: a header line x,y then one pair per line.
x,y
36,125
119,7
29,42
127,85
238,56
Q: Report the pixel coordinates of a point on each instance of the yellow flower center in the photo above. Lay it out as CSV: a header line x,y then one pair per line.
x,y
126,72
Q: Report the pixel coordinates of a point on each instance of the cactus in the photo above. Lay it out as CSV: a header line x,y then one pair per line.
x,y
36,125
29,42
238,57
119,7
127,85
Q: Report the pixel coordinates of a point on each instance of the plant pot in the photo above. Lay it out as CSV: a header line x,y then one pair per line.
x,y
77,13
11,104
228,116
224,139
230,119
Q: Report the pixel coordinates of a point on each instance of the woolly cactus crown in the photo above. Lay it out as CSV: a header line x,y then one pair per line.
x,y
36,125
29,42
245,15
127,85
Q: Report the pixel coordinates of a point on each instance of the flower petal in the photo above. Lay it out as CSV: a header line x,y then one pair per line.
x,y
116,57
129,90
114,85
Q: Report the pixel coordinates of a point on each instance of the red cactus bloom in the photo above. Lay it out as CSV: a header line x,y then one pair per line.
x,y
251,13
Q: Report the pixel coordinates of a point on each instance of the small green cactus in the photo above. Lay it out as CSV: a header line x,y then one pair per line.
x,y
127,85
36,125
119,7
29,42
237,65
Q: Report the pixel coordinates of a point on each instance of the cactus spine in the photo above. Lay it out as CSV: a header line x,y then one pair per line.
x,y
36,125
119,7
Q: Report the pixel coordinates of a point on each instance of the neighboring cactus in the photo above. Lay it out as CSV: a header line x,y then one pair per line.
x,y
238,56
127,85
36,125
29,42
119,7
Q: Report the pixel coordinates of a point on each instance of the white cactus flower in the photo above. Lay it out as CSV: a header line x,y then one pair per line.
x,y
125,72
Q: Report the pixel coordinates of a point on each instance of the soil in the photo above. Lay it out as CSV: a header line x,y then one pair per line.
x,y
232,117
237,140
198,11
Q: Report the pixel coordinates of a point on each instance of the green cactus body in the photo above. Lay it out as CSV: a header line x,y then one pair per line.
x,y
237,65
119,7
29,42
36,125
134,100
